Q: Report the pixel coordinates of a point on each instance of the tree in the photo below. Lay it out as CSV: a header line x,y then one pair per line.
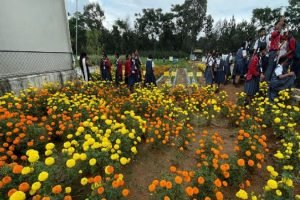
x,y
93,17
82,38
266,17
189,20
293,16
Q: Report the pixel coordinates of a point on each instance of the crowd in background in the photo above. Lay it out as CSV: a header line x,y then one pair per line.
x,y
132,69
272,57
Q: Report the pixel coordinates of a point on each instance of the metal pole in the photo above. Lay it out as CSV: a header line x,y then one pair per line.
x,y
76,30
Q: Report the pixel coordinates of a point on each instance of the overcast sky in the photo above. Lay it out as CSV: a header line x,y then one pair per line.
x,y
219,9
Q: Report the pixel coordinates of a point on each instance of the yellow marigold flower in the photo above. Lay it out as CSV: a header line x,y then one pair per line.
x,y
92,161
123,161
26,170
272,184
84,181
49,161
70,163
50,146
36,186
68,190
242,194
278,193
277,120
19,195
43,176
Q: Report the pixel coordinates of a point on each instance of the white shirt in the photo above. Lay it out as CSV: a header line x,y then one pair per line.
x,y
210,61
278,70
85,75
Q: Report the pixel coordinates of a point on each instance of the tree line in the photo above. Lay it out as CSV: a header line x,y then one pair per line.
x,y
178,32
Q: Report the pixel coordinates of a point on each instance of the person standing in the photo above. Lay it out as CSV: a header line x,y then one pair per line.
x,y
133,74
118,69
251,86
149,77
220,71
240,63
127,68
227,63
261,42
274,48
83,62
106,69
138,64
208,73
280,80
291,50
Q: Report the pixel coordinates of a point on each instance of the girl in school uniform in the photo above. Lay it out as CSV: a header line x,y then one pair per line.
x,y
209,73
149,77
106,69
220,71
253,76
133,74
118,71
280,80
240,63
127,68
83,62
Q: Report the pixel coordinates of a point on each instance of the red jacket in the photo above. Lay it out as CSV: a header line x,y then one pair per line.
x,y
253,68
127,67
275,41
291,47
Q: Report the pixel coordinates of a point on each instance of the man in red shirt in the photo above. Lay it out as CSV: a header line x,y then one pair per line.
x,y
274,47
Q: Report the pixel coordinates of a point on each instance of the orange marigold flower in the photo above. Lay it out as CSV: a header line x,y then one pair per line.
x,y
173,169
201,180
195,190
218,183
241,162
125,192
97,179
46,198
24,187
68,197
219,195
178,180
17,169
151,188
189,191
100,190
251,163
169,185
6,180
163,183
166,198
56,189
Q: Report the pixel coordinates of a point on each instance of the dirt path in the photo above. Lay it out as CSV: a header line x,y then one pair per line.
x,y
152,163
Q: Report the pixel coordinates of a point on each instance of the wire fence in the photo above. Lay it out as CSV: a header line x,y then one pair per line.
x,y
20,63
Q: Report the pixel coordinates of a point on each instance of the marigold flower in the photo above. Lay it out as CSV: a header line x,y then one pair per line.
x,y
18,195
57,189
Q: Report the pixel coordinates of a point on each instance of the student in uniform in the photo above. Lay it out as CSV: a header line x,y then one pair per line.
x,y
240,63
149,77
138,64
220,71
280,80
253,75
261,42
133,73
274,48
208,73
118,69
227,63
106,69
83,62
127,68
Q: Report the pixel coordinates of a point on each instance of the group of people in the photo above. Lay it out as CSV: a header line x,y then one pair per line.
x,y
273,58
132,69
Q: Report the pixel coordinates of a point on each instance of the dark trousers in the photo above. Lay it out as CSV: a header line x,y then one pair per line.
x,y
271,65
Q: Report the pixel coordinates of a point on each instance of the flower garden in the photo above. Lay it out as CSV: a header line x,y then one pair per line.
x,y
77,141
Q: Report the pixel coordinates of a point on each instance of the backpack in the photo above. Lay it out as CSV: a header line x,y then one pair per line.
x,y
297,50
